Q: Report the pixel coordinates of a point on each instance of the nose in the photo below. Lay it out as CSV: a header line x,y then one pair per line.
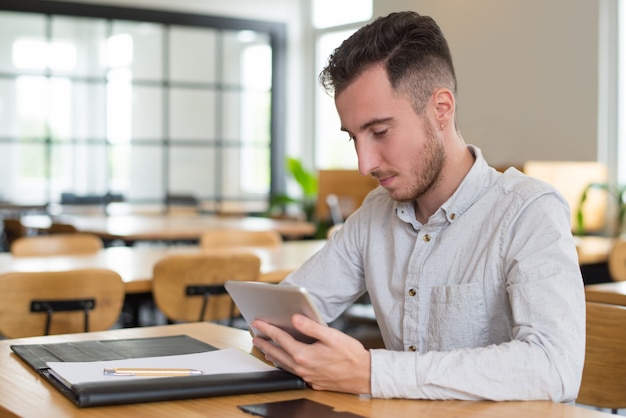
x,y
368,158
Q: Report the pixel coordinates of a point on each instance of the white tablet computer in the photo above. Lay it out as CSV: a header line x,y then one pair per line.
x,y
273,303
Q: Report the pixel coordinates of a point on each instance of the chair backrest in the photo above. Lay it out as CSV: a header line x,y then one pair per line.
x,y
223,238
56,244
185,285
348,186
603,383
96,295
13,229
61,228
617,261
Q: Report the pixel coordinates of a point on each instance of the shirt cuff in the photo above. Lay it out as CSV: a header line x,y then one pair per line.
x,y
394,374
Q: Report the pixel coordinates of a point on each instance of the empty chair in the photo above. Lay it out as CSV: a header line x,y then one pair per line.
x,y
617,261
190,287
56,244
59,302
61,228
349,188
221,238
603,383
13,229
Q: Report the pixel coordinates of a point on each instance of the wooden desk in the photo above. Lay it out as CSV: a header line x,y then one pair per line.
x,y
613,293
135,264
25,394
167,227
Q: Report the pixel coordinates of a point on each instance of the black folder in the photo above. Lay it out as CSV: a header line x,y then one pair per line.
x,y
147,390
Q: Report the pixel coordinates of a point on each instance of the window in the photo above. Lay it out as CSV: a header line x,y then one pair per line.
x,y
621,94
342,12
332,148
107,101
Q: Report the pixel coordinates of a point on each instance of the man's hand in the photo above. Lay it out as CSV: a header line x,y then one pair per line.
x,y
334,362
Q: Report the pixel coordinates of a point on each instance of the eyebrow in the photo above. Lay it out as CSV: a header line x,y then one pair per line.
x,y
370,123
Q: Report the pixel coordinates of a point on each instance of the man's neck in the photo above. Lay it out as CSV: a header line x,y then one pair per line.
x,y
452,175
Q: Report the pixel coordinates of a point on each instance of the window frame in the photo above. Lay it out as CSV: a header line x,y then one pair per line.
x,y
276,31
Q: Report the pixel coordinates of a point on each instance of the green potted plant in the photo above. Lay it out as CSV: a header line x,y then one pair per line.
x,y
307,180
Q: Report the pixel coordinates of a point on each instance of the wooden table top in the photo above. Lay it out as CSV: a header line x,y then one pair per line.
x,y
177,227
135,264
182,227
25,394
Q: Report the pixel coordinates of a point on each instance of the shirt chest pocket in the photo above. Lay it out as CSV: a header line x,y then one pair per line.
x,y
458,318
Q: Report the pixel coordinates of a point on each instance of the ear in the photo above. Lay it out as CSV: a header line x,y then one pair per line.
x,y
444,107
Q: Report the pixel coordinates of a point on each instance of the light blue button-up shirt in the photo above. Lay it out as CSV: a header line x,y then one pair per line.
x,y
484,301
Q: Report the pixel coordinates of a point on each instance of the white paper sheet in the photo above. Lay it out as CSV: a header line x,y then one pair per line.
x,y
231,360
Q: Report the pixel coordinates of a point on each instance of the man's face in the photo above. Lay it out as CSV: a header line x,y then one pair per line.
x,y
393,143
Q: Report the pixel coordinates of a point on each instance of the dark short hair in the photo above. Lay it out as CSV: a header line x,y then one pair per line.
x,y
412,48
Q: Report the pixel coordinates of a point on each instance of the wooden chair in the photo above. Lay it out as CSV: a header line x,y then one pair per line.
x,y
13,229
604,374
61,228
59,302
56,244
348,187
221,238
190,287
617,261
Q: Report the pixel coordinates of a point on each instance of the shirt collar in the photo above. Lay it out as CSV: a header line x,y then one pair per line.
x,y
470,189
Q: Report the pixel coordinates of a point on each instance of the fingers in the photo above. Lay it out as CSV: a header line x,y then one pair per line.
x,y
283,349
272,347
272,332
335,362
310,327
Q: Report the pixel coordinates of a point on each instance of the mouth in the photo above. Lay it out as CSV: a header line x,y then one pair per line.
x,y
386,181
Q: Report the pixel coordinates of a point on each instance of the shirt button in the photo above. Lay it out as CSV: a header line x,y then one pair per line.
x,y
453,216
426,238
412,348
412,292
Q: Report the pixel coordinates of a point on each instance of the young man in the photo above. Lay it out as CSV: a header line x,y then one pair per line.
x,y
473,274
